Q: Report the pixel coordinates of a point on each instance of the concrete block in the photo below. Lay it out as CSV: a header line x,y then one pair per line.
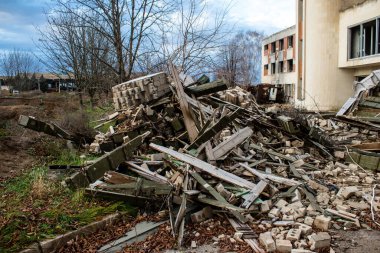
x,y
281,203
299,213
266,206
293,235
287,217
267,241
284,246
322,222
202,215
320,240
309,221
339,154
275,212
346,192
305,229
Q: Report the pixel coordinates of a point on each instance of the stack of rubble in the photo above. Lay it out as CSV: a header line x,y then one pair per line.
x,y
217,154
140,90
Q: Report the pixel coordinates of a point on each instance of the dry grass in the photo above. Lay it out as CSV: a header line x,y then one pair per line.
x,y
40,188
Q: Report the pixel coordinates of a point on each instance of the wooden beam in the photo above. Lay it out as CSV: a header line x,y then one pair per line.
x,y
233,141
187,118
254,194
216,195
213,130
263,176
206,167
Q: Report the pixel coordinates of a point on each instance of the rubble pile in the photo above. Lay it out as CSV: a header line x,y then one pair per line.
x,y
203,154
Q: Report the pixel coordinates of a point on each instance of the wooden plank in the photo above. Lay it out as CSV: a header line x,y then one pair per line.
x,y
277,179
206,167
220,204
233,141
148,174
254,194
210,154
216,194
187,118
213,130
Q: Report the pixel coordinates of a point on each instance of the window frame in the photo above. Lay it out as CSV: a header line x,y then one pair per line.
x,y
361,39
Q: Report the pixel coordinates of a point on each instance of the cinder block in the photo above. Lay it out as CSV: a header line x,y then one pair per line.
x,y
284,246
309,221
293,235
267,241
305,229
266,206
202,215
346,192
322,222
320,240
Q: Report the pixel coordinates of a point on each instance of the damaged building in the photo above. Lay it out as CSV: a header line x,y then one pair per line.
x,y
337,43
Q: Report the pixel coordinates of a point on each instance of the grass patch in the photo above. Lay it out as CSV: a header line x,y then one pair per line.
x,y
33,207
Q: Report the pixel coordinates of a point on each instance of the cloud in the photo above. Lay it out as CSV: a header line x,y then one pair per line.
x,y
18,19
265,15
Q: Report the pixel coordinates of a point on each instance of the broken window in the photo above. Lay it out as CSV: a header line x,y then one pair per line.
x,y
290,65
273,68
273,47
363,39
281,44
280,67
290,41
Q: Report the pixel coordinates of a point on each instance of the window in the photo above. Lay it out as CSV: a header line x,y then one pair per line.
x,y
281,44
266,47
364,39
273,68
273,47
290,41
355,42
266,69
280,67
290,66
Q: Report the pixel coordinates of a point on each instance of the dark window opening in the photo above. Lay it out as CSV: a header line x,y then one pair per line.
x,y
273,68
273,47
369,38
364,39
266,67
281,44
281,67
290,41
266,47
290,66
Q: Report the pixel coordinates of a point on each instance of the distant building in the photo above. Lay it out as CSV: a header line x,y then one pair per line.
x,y
45,81
336,43
279,61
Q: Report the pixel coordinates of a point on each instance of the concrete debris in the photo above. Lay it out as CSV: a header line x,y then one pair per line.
x,y
205,149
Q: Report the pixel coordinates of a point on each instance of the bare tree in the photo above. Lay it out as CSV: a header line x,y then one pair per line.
x,y
192,37
18,66
240,59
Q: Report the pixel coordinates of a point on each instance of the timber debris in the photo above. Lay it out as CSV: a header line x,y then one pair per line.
x,y
201,150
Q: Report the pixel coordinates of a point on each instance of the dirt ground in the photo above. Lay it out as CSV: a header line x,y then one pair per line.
x,y
18,145
361,241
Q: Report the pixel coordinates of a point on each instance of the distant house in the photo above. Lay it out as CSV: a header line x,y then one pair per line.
x,y
48,82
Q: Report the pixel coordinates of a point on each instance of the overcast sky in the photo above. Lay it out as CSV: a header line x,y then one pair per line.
x,y
18,18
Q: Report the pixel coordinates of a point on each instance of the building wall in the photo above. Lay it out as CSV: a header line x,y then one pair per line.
x,y
356,15
287,78
322,85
